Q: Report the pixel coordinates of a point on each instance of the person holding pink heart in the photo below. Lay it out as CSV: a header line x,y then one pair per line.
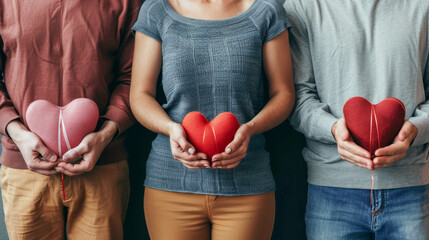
x,y
359,68
59,52
215,58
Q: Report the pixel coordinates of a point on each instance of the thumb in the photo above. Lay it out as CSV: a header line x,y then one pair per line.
x,y
185,145
236,142
75,153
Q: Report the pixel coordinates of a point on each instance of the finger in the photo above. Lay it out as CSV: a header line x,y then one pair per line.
x,y
185,145
378,166
238,140
356,159
225,156
66,172
45,152
218,157
178,153
42,167
388,159
76,153
393,149
230,166
353,148
201,156
78,168
195,164
226,163
46,172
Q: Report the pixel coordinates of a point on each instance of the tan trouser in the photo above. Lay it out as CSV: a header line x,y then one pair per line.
x,y
96,201
172,215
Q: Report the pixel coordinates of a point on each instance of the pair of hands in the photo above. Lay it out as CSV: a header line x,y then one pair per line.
x,y
184,152
385,156
76,161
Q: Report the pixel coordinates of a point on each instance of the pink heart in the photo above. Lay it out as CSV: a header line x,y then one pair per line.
x,y
79,118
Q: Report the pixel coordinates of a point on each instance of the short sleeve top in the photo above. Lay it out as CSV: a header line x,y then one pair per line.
x,y
212,66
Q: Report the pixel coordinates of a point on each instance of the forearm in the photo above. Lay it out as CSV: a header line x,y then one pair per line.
x,y
275,112
15,129
107,131
150,114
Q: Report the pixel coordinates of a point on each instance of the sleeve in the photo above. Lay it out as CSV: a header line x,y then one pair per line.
x,y
7,109
420,117
147,22
278,22
311,116
119,109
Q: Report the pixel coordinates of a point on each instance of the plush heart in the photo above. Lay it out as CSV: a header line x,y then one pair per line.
x,y
210,137
77,119
374,126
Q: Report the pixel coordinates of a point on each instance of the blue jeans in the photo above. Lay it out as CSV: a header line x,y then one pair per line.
x,y
341,213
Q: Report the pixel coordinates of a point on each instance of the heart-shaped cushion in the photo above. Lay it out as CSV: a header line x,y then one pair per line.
x,y
374,126
78,119
210,137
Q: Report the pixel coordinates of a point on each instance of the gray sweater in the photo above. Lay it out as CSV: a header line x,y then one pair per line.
x,y
212,66
369,48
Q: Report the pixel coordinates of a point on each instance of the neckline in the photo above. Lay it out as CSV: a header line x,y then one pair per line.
x,y
195,21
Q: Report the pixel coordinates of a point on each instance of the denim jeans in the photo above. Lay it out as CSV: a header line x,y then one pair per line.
x,y
341,213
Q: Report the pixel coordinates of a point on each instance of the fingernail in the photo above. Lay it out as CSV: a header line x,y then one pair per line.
x,y
228,150
206,165
219,167
191,151
53,158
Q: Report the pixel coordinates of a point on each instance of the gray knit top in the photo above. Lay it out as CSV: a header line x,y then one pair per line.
x,y
212,66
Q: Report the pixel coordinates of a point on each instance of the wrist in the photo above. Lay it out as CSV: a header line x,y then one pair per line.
x,y
14,129
170,127
251,128
108,131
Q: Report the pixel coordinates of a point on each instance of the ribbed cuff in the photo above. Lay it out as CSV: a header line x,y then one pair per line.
x,y
421,124
324,128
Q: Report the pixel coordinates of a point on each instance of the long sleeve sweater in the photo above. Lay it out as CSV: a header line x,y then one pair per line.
x,y
62,50
374,49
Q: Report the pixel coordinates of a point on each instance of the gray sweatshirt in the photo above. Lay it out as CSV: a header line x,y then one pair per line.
x,y
369,48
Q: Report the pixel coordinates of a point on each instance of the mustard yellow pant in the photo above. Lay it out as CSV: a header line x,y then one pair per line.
x,y
96,202
172,215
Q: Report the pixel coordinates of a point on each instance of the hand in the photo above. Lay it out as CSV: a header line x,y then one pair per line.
x,y
83,158
32,149
183,151
235,151
348,149
398,149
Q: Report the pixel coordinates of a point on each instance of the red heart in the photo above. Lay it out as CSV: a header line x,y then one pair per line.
x,y
210,137
80,118
374,126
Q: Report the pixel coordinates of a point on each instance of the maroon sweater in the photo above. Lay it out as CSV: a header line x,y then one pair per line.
x,y
60,50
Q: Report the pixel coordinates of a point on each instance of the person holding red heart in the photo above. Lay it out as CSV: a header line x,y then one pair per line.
x,y
60,51
215,58
370,58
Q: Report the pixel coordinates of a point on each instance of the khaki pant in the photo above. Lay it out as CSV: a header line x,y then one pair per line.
x,y
96,202
176,216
